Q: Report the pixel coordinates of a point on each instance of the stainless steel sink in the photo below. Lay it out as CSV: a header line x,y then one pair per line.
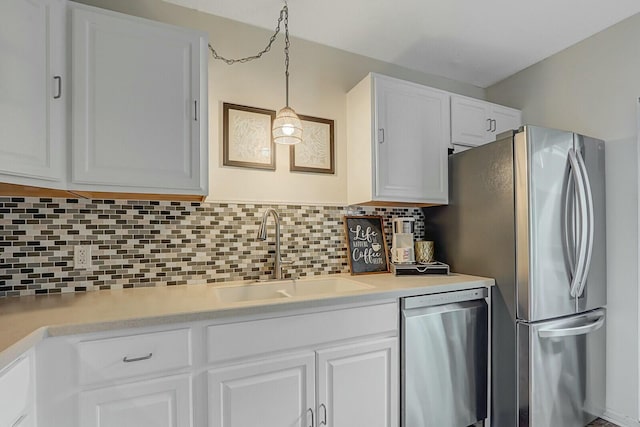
x,y
286,289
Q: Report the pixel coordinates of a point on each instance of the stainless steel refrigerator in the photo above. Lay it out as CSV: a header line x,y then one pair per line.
x,y
529,211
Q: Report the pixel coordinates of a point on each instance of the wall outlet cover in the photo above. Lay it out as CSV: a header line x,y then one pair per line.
x,y
81,257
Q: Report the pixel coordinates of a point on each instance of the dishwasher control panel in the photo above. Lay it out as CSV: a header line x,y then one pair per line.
x,y
444,298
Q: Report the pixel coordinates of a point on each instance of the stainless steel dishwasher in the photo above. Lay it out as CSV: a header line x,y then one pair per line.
x,y
444,351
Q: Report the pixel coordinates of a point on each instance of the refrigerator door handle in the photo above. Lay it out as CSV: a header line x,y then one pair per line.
x,y
570,234
590,223
582,242
567,332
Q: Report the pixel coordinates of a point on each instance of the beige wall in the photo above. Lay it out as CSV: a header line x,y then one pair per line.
x,y
320,78
593,88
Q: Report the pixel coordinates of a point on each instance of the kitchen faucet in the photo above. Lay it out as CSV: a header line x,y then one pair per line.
x,y
262,235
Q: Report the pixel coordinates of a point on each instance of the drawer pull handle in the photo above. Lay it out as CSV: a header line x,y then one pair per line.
x,y
137,359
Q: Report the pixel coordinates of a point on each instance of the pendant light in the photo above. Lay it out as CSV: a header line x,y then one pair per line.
x,y
287,127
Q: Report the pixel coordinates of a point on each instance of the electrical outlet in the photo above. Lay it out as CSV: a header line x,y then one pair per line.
x,y
81,257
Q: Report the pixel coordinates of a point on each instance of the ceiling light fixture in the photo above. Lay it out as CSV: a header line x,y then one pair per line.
x,y
287,127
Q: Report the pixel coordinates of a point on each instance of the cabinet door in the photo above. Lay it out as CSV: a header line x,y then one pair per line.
x,y
16,392
270,393
358,385
164,402
32,93
505,118
470,121
412,129
138,113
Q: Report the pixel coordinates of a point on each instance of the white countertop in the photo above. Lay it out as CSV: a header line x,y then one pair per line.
x,y
24,321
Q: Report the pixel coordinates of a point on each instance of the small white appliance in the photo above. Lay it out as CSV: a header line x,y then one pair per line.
x,y
402,251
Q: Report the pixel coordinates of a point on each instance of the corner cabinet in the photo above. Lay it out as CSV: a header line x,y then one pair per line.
x,y
17,395
139,99
397,138
475,122
32,92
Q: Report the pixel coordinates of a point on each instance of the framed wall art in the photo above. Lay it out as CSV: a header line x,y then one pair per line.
x,y
316,151
246,136
366,244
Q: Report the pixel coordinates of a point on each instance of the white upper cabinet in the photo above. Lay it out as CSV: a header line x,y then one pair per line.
x,y
32,92
397,138
134,92
139,105
475,122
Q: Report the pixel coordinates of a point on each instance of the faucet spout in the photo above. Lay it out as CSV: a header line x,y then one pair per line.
x,y
262,235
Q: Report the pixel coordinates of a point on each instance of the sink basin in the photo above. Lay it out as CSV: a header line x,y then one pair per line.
x,y
286,289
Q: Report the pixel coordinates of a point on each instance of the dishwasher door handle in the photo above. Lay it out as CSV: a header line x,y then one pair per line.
x,y
432,300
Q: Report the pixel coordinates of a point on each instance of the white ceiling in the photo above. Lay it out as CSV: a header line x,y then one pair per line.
x,y
474,41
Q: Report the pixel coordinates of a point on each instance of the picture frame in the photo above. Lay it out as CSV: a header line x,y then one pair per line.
x,y
366,244
247,137
316,152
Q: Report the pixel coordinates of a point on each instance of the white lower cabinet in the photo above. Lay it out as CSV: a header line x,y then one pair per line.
x,y
17,393
163,402
334,367
353,385
274,392
358,384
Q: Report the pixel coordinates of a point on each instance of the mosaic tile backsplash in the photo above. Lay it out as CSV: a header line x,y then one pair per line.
x,y
151,243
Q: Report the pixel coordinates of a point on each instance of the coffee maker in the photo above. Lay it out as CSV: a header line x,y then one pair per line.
x,y
402,251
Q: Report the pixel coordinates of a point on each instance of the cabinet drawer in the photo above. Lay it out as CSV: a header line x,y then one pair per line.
x,y
132,355
247,339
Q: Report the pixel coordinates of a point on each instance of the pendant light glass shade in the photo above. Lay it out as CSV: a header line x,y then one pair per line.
x,y
287,127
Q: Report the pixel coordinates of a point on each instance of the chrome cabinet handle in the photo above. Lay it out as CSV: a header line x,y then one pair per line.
x,y
494,125
58,81
195,110
324,414
17,422
489,120
381,135
126,359
312,422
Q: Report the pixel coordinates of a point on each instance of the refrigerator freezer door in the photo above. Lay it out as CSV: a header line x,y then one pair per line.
x,y
546,260
561,366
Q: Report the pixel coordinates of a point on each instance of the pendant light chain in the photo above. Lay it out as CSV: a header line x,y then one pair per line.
x,y
285,9
286,128
284,16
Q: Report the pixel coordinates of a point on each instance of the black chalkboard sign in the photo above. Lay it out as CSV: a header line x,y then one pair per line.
x,y
367,244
